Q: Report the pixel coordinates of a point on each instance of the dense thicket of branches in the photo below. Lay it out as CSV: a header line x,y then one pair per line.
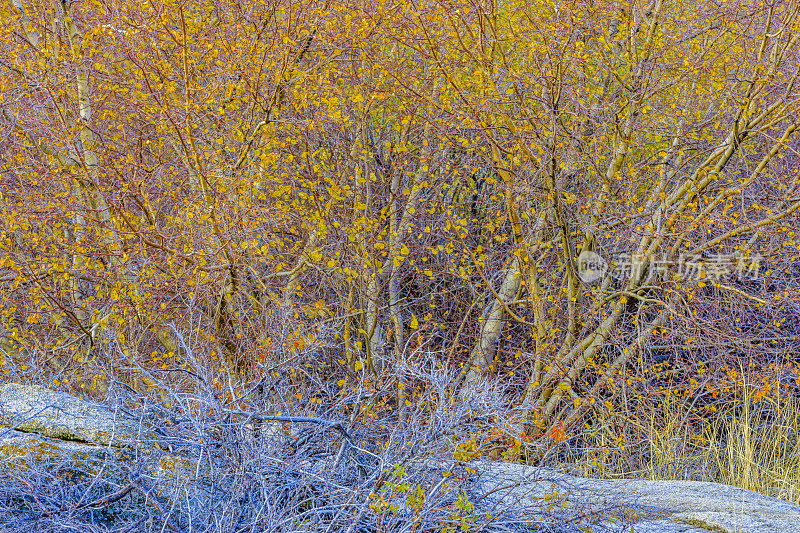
x,y
215,468
399,179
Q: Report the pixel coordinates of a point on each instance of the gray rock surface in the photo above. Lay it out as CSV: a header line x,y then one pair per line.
x,y
58,415
643,506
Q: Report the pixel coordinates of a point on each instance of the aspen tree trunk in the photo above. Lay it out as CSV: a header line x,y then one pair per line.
x,y
85,181
394,296
482,354
388,270
372,323
82,167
